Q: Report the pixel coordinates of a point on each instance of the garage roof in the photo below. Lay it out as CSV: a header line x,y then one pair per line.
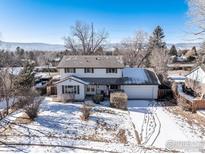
x,y
140,76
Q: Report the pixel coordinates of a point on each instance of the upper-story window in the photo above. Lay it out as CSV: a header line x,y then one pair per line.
x,y
111,70
69,70
88,70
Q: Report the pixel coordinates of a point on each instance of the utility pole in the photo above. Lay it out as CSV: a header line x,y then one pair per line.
x,y
92,31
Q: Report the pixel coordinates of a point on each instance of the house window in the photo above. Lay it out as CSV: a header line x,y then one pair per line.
x,y
114,87
66,89
89,70
90,89
111,70
69,70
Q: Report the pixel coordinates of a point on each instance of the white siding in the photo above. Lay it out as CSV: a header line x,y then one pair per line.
x,y
98,73
79,96
102,88
141,91
197,75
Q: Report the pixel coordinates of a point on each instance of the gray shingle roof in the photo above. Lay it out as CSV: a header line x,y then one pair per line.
x,y
91,62
104,81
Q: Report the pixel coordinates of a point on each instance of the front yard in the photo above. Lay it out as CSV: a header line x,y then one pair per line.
x,y
59,128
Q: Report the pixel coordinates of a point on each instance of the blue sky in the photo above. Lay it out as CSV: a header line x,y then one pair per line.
x,y
49,21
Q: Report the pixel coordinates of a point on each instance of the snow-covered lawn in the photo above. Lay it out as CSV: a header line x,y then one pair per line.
x,y
201,112
157,126
58,128
3,104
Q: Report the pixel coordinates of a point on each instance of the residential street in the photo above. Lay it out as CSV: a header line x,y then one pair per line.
x,y
156,125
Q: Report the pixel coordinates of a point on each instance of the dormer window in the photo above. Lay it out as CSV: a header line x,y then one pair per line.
x,y
88,70
111,70
69,70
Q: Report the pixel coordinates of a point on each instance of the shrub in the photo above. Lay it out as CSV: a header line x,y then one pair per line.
x,y
30,103
33,108
174,89
85,112
118,100
98,98
122,137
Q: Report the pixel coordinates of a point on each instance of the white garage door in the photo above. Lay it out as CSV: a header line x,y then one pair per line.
x,y
140,92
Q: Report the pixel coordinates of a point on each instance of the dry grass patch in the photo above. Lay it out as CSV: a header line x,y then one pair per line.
x,y
103,125
190,118
122,137
93,137
105,111
23,119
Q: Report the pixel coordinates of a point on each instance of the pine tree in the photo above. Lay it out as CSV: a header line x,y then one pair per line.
x,y
157,38
158,52
194,50
173,51
155,42
25,80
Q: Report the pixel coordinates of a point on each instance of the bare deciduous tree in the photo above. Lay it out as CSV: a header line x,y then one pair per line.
x,y
85,39
6,87
159,60
134,49
197,14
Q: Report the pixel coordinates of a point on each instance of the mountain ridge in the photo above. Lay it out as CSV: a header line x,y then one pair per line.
x,y
39,46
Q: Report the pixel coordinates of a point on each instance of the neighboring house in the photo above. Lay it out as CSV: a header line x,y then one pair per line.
x,y
196,80
43,75
177,78
179,66
82,76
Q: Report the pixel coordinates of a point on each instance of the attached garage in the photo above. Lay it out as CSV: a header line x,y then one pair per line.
x,y
141,91
140,83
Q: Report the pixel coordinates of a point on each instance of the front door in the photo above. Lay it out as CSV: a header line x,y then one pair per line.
x,y
113,88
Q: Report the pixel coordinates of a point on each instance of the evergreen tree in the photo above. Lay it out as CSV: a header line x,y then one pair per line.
x,y
158,52
20,52
194,50
173,50
157,38
155,42
25,80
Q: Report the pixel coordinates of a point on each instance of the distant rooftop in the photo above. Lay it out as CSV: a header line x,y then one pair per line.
x,y
91,62
181,65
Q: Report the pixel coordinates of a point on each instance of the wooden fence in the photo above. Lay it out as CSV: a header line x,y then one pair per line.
x,y
198,104
192,104
162,93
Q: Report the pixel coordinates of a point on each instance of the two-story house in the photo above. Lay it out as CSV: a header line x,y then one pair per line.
x,y
83,76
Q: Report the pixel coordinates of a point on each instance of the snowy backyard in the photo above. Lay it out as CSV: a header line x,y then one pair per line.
x,y
158,125
59,128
